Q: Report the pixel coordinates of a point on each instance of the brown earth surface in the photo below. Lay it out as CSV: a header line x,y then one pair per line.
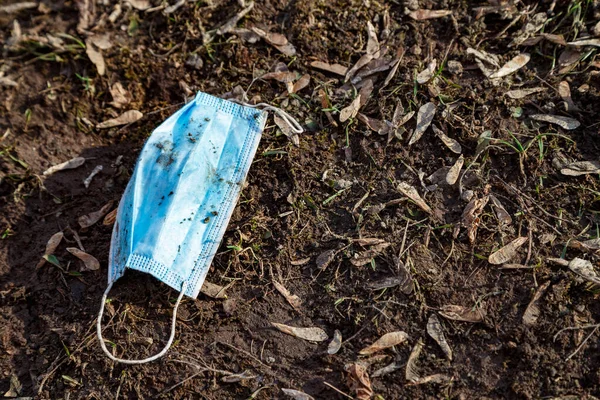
x,y
307,210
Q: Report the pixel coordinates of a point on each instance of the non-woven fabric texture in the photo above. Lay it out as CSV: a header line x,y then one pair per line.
x,y
185,185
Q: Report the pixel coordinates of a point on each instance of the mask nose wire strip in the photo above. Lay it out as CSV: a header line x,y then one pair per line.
x,y
145,360
291,121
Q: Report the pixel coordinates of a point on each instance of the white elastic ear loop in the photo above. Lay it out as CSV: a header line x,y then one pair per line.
x,y
291,121
145,360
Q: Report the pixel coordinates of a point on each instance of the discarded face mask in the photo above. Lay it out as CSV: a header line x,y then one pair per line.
x,y
185,185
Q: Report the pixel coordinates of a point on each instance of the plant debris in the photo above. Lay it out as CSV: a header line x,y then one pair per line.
x,y
507,252
434,329
128,117
296,394
312,334
424,118
90,262
564,122
85,221
532,312
460,313
51,247
290,298
336,343
359,381
386,341
71,164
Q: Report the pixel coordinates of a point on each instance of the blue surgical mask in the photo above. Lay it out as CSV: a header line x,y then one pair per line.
x,y
184,188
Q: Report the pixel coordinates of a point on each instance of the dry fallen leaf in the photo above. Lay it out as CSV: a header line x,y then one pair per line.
x,y
296,394
564,122
96,57
85,221
365,257
276,40
507,252
91,264
127,117
532,312
512,66
587,42
435,378
362,61
17,7
312,334
325,258
585,269
351,110
301,83
51,246
460,313
71,164
470,217
404,280
292,299
280,76
411,373
579,168
359,381
334,68
450,143
424,118
372,41
434,329
410,192
426,75
110,218
522,93
119,95
454,171
374,124
213,290
336,343
140,4
386,341
564,90
501,213
421,15
286,129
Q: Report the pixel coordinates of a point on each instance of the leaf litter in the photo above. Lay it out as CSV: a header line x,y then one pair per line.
x,y
51,247
512,66
311,334
386,341
359,381
507,252
336,343
424,119
127,117
464,314
567,123
435,330
532,312
290,298
71,164
85,221
90,262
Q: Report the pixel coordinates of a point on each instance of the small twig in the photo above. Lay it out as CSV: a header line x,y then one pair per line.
x,y
582,343
572,328
337,390
355,335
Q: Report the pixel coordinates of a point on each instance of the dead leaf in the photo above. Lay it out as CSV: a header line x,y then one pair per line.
x,y
460,313
394,69
17,7
351,110
372,41
119,94
404,281
470,217
91,263
579,168
312,334
411,373
564,122
87,14
359,381
398,122
301,261
420,15
501,213
512,66
280,76
362,61
365,92
435,378
301,83
71,164
286,129
85,221
410,192
101,41
424,118
296,394
110,218
140,4
127,117
522,93
426,75
454,171
450,143
96,57
507,252
374,124
336,343
213,290
292,299
368,241
385,342
276,40
366,256
51,246
334,68
325,258
434,329
532,312
585,269
481,55
565,93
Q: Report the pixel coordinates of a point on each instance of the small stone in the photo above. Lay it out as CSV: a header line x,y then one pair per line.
x,y
194,61
455,67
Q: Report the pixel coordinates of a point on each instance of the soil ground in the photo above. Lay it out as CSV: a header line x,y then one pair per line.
x,y
309,203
